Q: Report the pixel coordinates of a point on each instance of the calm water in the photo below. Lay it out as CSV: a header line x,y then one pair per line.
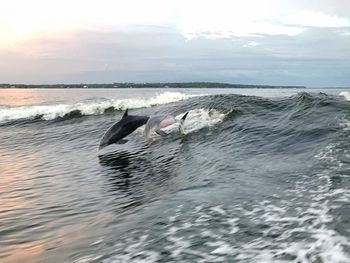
x,y
260,176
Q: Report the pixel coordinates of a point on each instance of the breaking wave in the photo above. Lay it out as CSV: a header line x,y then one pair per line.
x,y
50,112
200,118
197,119
346,94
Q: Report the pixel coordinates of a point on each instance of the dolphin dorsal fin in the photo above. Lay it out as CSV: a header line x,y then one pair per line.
x,y
181,127
125,114
184,117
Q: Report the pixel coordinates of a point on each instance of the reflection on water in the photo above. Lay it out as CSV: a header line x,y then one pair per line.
x,y
16,192
121,172
20,97
24,252
137,177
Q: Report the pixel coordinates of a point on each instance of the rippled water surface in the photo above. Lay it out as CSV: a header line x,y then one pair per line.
x,y
260,175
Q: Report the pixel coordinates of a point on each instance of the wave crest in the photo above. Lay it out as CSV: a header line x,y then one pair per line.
x,y
346,94
200,118
50,112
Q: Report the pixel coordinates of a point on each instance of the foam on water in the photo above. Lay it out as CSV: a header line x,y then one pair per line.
x,y
210,228
311,237
346,94
197,119
50,112
293,228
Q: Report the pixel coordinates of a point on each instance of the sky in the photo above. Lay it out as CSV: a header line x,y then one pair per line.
x,y
272,42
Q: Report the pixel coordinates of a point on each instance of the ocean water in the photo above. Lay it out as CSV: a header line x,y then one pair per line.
x,y
260,175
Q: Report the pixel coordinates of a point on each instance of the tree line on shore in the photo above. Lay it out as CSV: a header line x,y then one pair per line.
x,y
143,85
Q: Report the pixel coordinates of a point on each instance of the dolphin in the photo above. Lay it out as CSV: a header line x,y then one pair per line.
x,y
127,125
159,122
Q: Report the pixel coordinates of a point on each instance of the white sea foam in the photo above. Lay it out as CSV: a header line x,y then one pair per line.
x,y
321,243
298,227
49,112
279,242
346,94
196,119
200,118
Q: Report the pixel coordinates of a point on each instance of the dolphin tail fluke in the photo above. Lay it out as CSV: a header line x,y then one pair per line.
x,y
181,127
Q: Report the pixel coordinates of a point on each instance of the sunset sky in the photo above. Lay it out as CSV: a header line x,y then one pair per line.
x,y
278,42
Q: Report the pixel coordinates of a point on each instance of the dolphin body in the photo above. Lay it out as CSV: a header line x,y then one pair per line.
x,y
127,125
157,123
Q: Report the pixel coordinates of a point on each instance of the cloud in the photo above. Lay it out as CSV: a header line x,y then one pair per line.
x,y
223,19
195,18
263,42
317,19
316,57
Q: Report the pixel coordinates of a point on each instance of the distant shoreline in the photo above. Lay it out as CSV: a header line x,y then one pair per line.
x,y
144,85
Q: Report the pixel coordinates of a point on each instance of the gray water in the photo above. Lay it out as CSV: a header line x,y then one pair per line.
x,y
260,176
